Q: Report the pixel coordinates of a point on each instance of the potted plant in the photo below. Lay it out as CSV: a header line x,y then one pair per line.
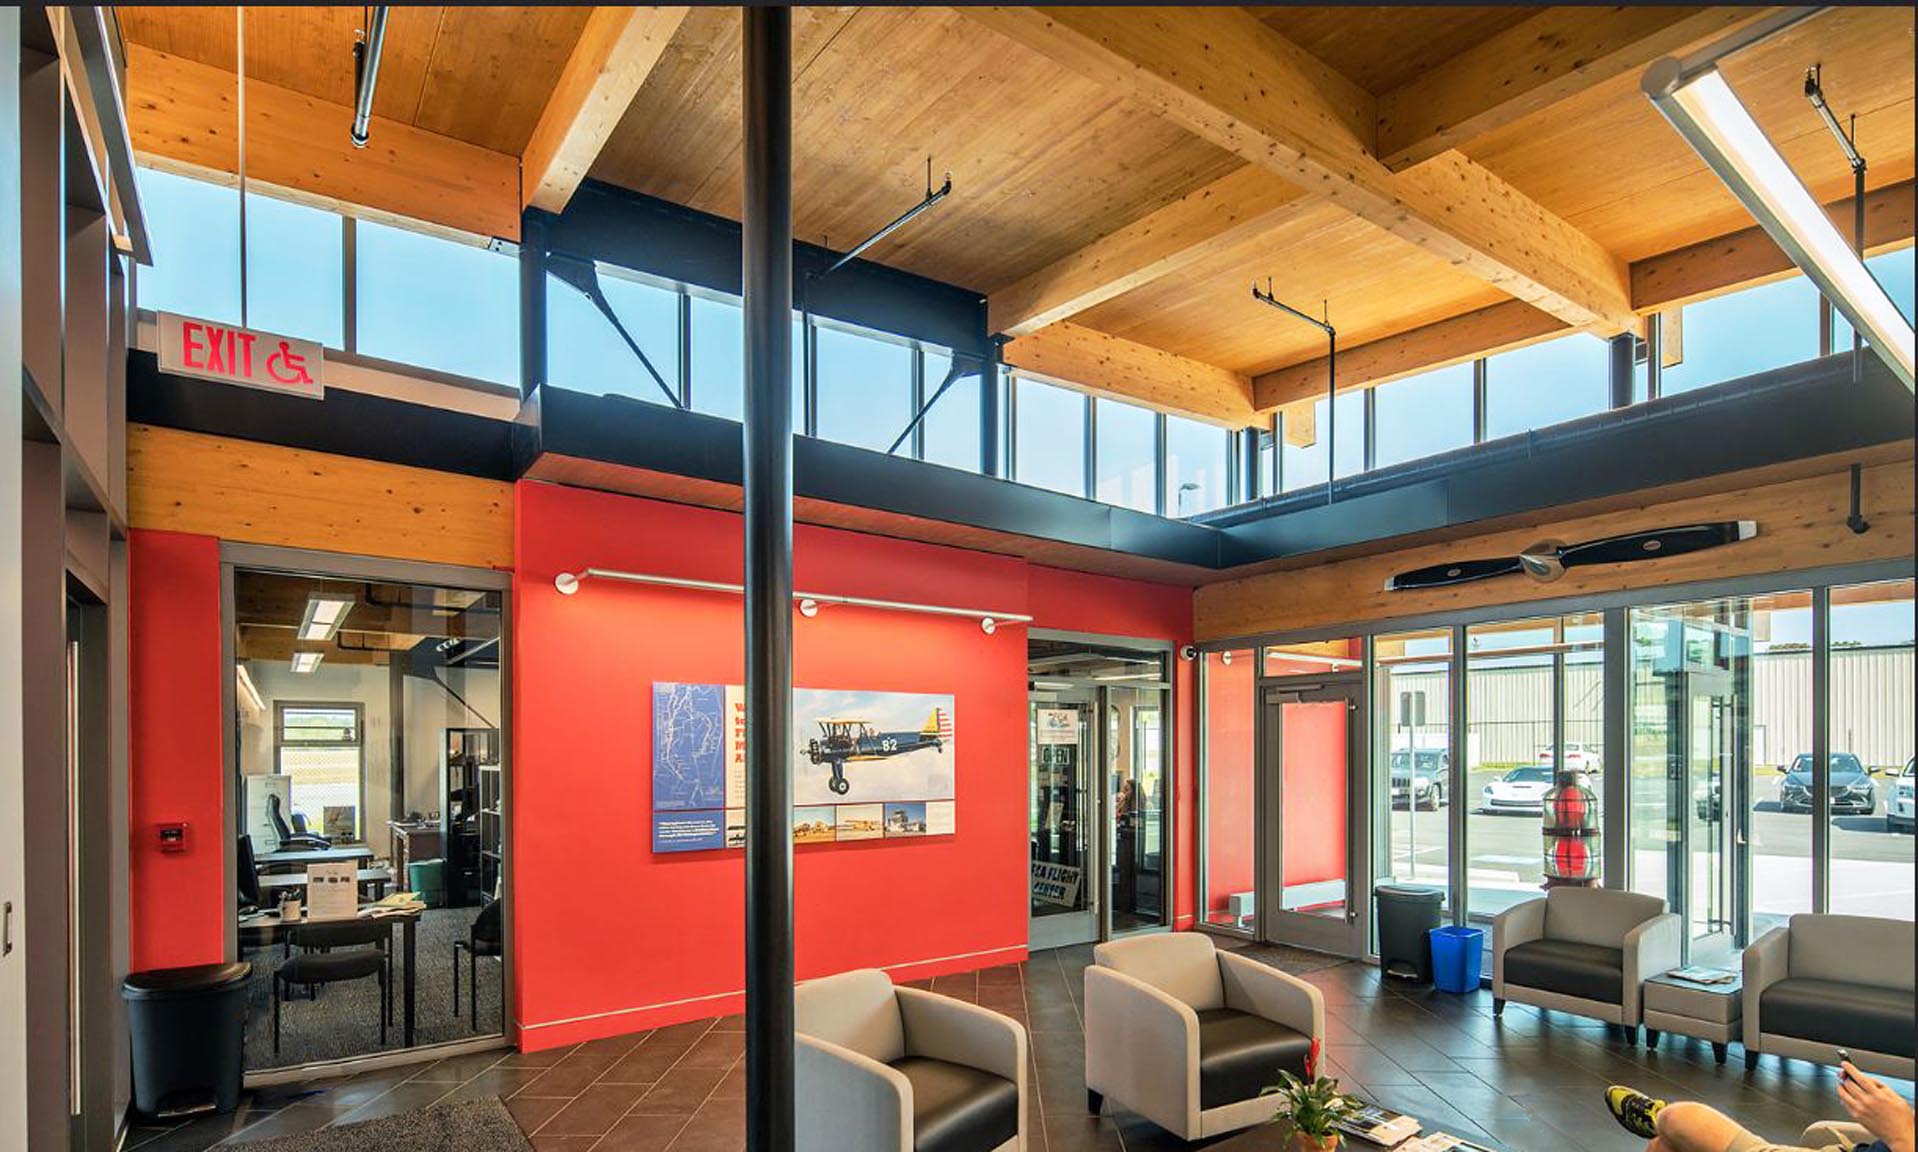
x,y
1310,1107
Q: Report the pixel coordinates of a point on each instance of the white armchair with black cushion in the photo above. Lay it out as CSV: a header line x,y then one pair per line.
x,y
1819,983
1587,951
885,1069
1189,1036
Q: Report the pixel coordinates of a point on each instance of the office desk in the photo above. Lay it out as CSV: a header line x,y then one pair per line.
x,y
375,878
414,842
296,858
264,929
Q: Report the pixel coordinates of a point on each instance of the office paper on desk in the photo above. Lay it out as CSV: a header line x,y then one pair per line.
x,y
332,891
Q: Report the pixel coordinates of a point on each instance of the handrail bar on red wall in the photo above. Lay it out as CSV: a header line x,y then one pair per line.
x,y
809,602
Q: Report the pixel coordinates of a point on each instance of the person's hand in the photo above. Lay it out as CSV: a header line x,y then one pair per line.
x,y
1876,1107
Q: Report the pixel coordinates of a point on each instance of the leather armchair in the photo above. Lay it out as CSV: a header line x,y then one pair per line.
x,y
1587,951
885,1069
1188,1036
1824,982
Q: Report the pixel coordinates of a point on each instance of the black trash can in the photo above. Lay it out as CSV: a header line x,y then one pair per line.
x,y
1407,912
188,1028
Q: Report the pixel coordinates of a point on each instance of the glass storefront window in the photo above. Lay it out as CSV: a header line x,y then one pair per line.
x,y
1412,757
1741,333
1229,836
437,303
295,270
195,231
1869,725
1546,384
1519,675
1303,466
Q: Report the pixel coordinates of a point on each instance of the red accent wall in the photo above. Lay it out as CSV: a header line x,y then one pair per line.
x,y
177,900
608,936
1231,808
1108,606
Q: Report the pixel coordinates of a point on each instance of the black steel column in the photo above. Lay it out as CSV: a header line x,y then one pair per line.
x,y
990,422
1623,349
532,303
767,243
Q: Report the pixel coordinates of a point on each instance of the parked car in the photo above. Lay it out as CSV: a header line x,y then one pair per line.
x,y
1521,790
1427,785
1899,816
1580,757
1852,790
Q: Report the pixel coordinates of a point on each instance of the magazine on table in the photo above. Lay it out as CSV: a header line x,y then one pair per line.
x,y
1377,1124
1698,974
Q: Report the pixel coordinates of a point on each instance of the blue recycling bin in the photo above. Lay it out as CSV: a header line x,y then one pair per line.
x,y
1458,954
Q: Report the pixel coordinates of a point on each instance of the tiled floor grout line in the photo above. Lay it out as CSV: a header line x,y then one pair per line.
x,y
662,1077
629,1111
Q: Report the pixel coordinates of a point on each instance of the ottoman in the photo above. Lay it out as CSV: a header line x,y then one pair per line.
x,y
1705,1011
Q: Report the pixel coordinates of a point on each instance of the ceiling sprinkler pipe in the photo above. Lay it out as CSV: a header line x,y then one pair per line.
x,y
366,67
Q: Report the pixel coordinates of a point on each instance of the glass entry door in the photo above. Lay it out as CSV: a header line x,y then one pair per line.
x,y
1713,836
1063,816
1308,773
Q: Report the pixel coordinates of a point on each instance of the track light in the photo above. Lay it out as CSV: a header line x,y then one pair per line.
x,y
1708,114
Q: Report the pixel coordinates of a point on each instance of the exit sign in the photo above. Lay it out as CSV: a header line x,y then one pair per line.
x,y
233,355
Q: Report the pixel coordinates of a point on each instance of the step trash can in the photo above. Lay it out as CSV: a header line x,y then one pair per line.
x,y
428,878
1458,955
1406,912
188,1029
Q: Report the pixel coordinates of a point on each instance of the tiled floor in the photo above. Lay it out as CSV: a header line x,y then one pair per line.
x,y
1525,1082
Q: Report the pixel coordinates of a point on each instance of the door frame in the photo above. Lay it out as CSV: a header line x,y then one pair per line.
x,y
1169,813
1090,924
1272,924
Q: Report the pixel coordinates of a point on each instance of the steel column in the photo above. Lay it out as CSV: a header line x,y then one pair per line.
x,y
1820,748
532,303
1615,786
767,85
991,463
1459,745
1622,348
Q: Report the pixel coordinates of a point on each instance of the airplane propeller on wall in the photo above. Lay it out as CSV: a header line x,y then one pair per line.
x,y
1548,559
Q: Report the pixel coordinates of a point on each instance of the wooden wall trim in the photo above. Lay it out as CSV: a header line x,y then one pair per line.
x,y
1801,524
290,497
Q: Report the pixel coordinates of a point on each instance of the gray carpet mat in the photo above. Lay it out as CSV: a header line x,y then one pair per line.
x,y
468,1126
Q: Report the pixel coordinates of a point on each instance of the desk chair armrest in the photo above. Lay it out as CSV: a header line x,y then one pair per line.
x,y
961,1033
1767,961
1651,949
1278,996
847,1102
1519,924
1142,1048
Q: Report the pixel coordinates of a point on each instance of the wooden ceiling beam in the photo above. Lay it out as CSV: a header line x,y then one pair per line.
x,y
184,112
1550,57
1092,361
1202,223
1749,256
1228,78
1512,324
617,50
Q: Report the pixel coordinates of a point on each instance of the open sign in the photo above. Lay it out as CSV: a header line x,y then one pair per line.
x,y
233,355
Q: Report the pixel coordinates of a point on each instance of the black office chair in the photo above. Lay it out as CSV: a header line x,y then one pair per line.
x,y
333,953
289,837
484,938
247,875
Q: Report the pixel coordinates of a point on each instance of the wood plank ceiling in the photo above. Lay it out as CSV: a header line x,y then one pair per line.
x,y
1065,128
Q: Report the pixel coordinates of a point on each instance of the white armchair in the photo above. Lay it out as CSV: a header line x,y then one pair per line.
x,y
1188,1036
1587,951
884,1069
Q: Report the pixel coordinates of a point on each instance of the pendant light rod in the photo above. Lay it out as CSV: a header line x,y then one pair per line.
x,y
933,196
239,103
1331,377
366,73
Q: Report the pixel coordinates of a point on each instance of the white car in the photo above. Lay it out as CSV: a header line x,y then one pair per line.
x,y
1898,810
1578,757
1522,790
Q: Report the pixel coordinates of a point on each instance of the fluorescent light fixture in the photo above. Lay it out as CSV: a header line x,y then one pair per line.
x,y
1709,115
306,662
247,689
325,612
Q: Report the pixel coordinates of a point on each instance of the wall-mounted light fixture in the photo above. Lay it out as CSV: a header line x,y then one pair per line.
x,y
808,603
306,663
325,612
1695,97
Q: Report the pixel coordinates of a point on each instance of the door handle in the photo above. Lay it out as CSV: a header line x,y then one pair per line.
x,y
6,929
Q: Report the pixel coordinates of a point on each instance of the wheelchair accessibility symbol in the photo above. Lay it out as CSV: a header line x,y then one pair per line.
x,y
286,366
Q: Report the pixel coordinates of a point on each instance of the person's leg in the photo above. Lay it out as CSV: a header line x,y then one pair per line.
x,y
1687,1126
